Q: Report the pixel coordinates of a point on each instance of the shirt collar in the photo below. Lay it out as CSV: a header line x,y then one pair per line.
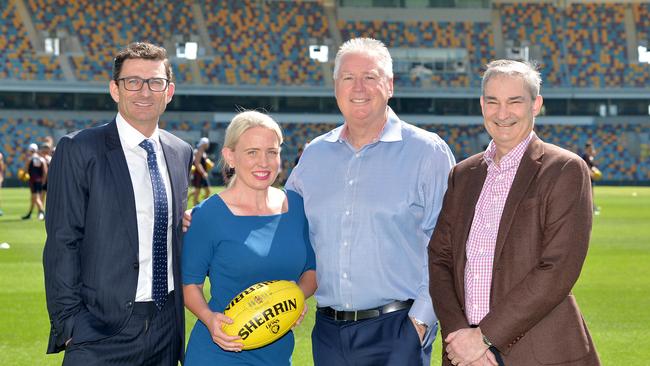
x,y
390,132
131,138
512,158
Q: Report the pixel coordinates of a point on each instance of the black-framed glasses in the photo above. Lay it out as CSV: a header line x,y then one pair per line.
x,y
135,83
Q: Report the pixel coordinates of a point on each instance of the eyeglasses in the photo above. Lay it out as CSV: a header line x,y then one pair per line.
x,y
135,83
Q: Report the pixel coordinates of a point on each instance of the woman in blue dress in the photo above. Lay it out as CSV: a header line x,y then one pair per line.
x,y
250,232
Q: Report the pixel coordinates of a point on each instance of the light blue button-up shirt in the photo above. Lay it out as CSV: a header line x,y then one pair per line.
x,y
371,214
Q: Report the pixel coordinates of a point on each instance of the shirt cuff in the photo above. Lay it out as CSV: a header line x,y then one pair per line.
x,y
423,311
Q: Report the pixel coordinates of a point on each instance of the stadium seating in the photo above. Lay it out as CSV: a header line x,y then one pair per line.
x,y
475,37
15,137
613,157
265,43
595,45
591,37
104,26
18,60
268,43
638,75
540,25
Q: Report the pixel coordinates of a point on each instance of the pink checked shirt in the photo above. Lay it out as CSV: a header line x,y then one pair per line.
x,y
485,226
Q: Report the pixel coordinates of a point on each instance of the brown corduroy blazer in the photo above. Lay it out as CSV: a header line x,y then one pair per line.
x,y
541,246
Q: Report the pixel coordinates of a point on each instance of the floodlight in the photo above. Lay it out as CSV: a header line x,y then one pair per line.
x,y
318,53
52,45
191,50
187,50
644,54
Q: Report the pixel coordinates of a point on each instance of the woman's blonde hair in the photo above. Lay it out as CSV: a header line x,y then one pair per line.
x,y
241,123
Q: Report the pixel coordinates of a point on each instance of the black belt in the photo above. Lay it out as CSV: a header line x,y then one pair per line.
x,y
365,314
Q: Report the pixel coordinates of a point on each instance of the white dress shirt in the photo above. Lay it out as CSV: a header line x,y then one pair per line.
x,y
136,159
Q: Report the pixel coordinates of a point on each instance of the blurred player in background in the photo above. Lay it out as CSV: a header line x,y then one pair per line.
x,y
46,153
36,167
2,178
201,171
589,156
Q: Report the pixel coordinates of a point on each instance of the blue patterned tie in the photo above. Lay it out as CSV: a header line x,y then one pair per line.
x,y
159,247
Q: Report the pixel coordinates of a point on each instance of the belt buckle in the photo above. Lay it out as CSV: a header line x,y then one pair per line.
x,y
343,317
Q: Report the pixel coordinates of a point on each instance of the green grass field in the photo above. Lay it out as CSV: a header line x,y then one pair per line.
x,y
613,291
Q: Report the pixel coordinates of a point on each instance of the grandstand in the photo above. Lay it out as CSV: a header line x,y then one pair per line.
x,y
255,54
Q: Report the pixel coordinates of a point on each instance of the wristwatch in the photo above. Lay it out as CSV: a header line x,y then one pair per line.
x,y
487,341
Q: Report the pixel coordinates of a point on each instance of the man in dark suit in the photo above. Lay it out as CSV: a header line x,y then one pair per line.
x,y
112,255
512,238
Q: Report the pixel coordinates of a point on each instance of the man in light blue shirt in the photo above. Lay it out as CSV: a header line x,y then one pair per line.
x,y
372,191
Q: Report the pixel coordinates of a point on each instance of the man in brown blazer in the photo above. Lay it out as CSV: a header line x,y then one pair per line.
x,y
512,238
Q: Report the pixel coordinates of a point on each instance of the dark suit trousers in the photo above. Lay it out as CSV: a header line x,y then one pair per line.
x,y
149,338
388,340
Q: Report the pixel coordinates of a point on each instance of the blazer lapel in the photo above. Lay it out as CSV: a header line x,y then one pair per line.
x,y
530,164
472,190
175,169
122,179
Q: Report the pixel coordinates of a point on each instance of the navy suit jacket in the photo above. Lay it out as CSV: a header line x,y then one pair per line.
x,y
91,253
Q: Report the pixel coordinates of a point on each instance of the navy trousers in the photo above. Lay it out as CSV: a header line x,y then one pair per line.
x,y
150,338
388,340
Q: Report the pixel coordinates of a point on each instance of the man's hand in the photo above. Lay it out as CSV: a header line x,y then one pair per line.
x,y
465,346
420,328
487,359
187,220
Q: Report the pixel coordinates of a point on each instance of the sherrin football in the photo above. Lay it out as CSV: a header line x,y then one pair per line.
x,y
264,312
